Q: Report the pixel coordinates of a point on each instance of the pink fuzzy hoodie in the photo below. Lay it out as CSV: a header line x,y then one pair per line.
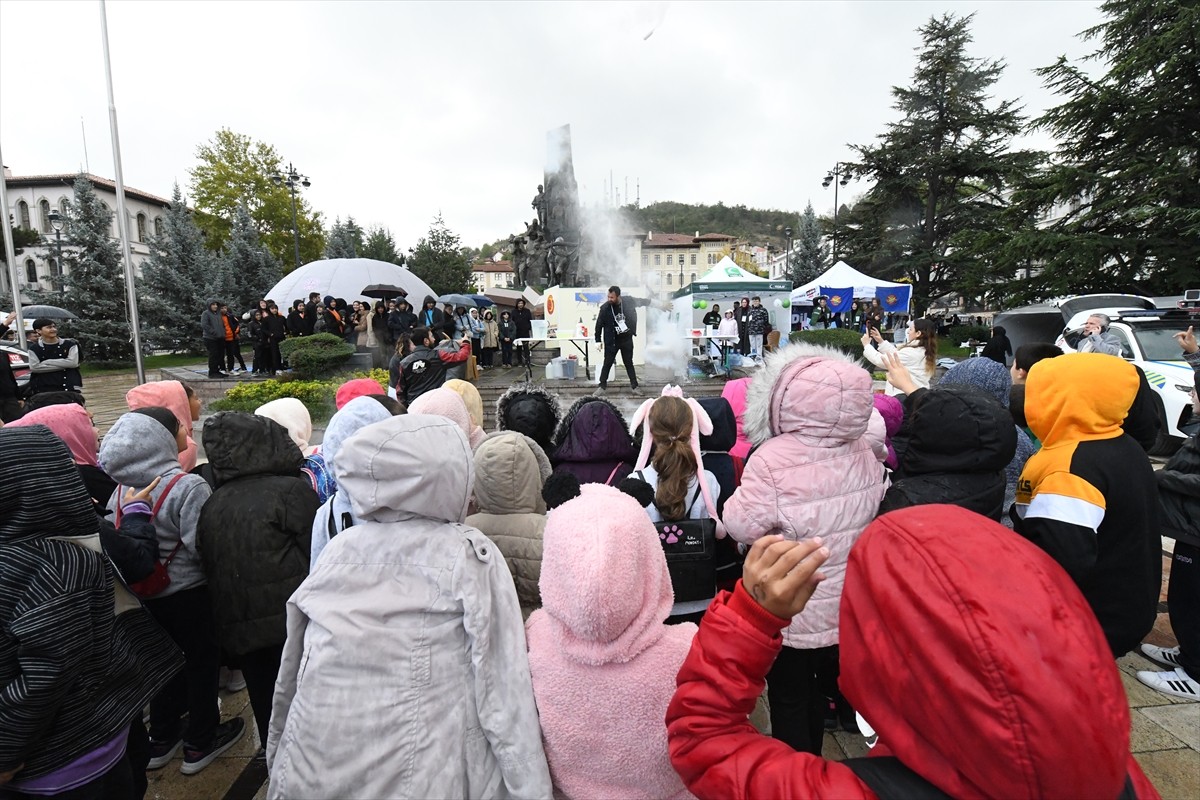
x,y
735,393
171,396
603,663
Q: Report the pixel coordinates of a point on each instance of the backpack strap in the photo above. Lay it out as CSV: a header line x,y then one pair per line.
x,y
613,474
889,778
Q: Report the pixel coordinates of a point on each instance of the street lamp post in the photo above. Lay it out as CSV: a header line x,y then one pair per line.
x,y
842,175
56,222
292,179
787,260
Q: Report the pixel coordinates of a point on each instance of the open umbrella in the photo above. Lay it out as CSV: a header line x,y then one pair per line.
x,y
49,312
464,300
482,301
383,291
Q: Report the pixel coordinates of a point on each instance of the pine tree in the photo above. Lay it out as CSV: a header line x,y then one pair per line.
x,y
95,282
1125,182
809,256
438,260
381,246
180,278
940,173
339,243
247,264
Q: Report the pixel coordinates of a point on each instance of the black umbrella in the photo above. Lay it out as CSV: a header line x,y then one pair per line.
x,y
49,312
383,291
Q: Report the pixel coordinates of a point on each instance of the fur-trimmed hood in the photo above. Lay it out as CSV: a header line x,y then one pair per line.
x,y
530,409
593,429
816,392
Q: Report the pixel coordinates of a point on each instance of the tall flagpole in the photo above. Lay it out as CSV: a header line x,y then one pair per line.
x,y
10,256
122,215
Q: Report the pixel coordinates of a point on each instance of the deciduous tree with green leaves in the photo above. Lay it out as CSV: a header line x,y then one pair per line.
x,y
940,173
181,276
1124,185
236,170
809,256
438,260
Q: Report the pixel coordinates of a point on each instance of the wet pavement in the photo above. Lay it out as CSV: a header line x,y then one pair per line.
x,y
1165,731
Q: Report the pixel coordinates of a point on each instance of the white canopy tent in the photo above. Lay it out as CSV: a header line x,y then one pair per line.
x,y
840,276
726,284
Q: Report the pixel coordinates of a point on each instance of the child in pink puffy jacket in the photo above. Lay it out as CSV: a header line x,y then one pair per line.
x,y
816,471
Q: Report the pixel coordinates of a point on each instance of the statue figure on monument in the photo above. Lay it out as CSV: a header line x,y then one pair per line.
x,y
539,205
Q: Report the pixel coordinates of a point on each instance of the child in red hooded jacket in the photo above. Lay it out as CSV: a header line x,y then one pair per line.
x,y
957,668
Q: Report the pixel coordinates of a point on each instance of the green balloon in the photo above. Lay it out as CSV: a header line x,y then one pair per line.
x,y
786,302
695,304
704,304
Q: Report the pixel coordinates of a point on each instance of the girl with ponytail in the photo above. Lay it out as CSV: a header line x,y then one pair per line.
x,y
683,489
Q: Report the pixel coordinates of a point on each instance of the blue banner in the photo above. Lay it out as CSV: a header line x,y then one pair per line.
x,y
838,300
893,298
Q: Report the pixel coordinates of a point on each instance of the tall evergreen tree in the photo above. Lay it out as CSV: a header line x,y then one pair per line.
x,y
437,259
381,246
1124,185
248,265
809,256
339,242
940,173
95,280
180,278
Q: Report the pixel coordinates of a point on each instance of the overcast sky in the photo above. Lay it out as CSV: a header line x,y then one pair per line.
x,y
399,110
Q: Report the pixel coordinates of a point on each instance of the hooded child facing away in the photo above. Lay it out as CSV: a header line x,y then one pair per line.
x,y
253,569
816,472
334,515
139,448
593,443
79,657
602,659
449,404
405,671
510,470
173,396
992,644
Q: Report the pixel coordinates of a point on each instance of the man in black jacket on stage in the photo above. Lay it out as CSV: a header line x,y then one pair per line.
x,y
617,324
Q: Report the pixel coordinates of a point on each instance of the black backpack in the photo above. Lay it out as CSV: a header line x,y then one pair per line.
x,y
690,546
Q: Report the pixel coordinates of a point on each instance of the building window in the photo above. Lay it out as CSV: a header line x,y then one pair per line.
x,y
668,279
645,260
670,259
158,226
23,214
657,260
693,277
44,207
63,206
30,271
141,227
54,272
693,259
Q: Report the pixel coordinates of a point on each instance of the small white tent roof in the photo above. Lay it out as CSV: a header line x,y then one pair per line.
x,y
727,277
840,276
346,278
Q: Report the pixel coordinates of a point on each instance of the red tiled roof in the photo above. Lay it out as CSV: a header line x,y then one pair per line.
x,y
493,266
68,179
715,237
669,240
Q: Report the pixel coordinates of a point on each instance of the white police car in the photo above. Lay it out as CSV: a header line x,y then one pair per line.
x,y
1147,338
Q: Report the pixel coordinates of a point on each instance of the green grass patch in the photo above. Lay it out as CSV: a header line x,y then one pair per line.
x,y
149,362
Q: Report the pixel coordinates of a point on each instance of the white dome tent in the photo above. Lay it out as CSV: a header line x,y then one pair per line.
x,y
346,278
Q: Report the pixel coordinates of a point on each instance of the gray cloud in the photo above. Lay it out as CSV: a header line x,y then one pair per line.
x,y
400,110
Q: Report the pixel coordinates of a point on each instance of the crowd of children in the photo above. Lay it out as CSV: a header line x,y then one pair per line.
x,y
419,608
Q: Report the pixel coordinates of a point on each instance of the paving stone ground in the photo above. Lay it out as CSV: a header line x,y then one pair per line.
x,y
1164,736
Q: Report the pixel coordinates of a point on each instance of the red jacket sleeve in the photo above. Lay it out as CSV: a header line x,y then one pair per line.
x,y
464,352
714,748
